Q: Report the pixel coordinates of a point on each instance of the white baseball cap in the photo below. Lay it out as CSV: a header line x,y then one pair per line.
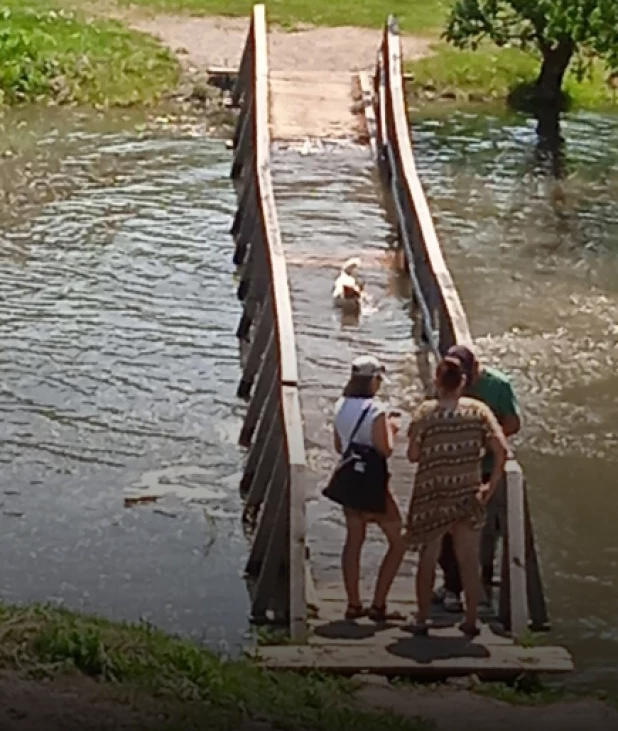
x,y
368,366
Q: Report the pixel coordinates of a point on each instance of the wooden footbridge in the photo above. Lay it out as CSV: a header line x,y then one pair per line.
x,y
289,584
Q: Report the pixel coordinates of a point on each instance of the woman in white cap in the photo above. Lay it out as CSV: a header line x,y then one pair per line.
x,y
363,420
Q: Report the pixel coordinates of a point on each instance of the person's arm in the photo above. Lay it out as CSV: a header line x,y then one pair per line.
x,y
414,444
382,434
336,438
510,413
495,440
337,441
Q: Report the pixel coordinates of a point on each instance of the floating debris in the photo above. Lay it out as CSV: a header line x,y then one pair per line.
x,y
140,500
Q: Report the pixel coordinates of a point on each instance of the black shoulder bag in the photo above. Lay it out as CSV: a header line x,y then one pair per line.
x,y
360,479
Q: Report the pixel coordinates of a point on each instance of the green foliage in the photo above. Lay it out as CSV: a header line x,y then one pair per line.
x,y
52,54
590,25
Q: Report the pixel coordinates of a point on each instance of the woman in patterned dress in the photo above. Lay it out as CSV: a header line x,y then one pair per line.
x,y
448,438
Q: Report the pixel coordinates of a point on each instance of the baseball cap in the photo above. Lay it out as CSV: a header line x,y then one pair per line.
x,y
368,366
465,356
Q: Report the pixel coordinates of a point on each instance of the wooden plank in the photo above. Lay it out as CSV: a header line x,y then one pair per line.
x,y
413,186
295,447
367,95
310,104
243,74
516,548
313,600
286,342
537,607
274,474
421,657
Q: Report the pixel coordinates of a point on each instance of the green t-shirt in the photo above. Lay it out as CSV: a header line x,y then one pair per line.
x,y
494,388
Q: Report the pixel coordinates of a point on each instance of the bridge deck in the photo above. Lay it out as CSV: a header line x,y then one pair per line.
x,y
297,239
348,648
306,104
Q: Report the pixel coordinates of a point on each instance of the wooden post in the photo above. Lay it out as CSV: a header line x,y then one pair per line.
x,y
297,462
516,548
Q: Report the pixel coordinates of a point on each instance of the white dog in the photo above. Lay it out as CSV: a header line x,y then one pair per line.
x,y
348,290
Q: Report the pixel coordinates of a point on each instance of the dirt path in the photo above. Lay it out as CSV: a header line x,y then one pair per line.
x,y
459,710
75,703
208,42
310,70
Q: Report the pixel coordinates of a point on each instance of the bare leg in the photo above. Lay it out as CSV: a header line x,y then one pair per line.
x,y
350,557
467,541
390,563
425,577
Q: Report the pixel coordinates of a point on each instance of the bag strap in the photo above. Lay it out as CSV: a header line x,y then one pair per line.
x,y
357,426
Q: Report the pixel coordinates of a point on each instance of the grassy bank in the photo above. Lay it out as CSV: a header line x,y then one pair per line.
x,y
51,54
492,73
217,694
415,16
86,672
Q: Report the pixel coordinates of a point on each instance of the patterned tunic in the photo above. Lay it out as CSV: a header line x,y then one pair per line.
x,y
452,444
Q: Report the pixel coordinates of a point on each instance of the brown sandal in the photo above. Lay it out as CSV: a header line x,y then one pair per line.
x,y
469,630
379,614
420,629
355,611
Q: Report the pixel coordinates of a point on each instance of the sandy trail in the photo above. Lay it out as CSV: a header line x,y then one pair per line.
x,y
218,42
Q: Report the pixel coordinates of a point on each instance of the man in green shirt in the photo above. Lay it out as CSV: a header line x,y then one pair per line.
x,y
494,389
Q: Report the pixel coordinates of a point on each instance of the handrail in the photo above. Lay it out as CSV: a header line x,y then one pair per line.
x,y
437,299
273,478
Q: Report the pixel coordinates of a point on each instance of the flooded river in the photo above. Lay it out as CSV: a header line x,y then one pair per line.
x,y
119,361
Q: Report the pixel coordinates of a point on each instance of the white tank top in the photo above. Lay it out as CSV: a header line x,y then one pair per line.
x,y
347,413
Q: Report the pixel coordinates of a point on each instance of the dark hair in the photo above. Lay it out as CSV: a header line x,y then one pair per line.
x,y
449,374
359,387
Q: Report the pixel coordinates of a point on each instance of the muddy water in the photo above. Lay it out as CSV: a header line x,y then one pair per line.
x,y
536,264
119,362
118,374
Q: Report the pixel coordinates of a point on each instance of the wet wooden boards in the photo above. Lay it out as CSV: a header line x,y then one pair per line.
x,y
391,649
436,657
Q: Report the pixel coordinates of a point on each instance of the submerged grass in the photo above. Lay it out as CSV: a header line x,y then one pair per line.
x,y
42,641
50,53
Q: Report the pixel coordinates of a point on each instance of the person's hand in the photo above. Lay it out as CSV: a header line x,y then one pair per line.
x,y
483,494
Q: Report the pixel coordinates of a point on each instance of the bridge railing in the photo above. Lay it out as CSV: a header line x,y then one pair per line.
x,y
440,319
273,478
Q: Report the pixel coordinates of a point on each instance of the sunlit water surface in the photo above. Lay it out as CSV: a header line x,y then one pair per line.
x,y
119,362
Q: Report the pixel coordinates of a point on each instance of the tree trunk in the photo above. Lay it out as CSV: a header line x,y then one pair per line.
x,y
556,60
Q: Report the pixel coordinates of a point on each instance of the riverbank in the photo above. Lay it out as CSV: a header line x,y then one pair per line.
x,y
321,31
139,53
53,53
62,670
